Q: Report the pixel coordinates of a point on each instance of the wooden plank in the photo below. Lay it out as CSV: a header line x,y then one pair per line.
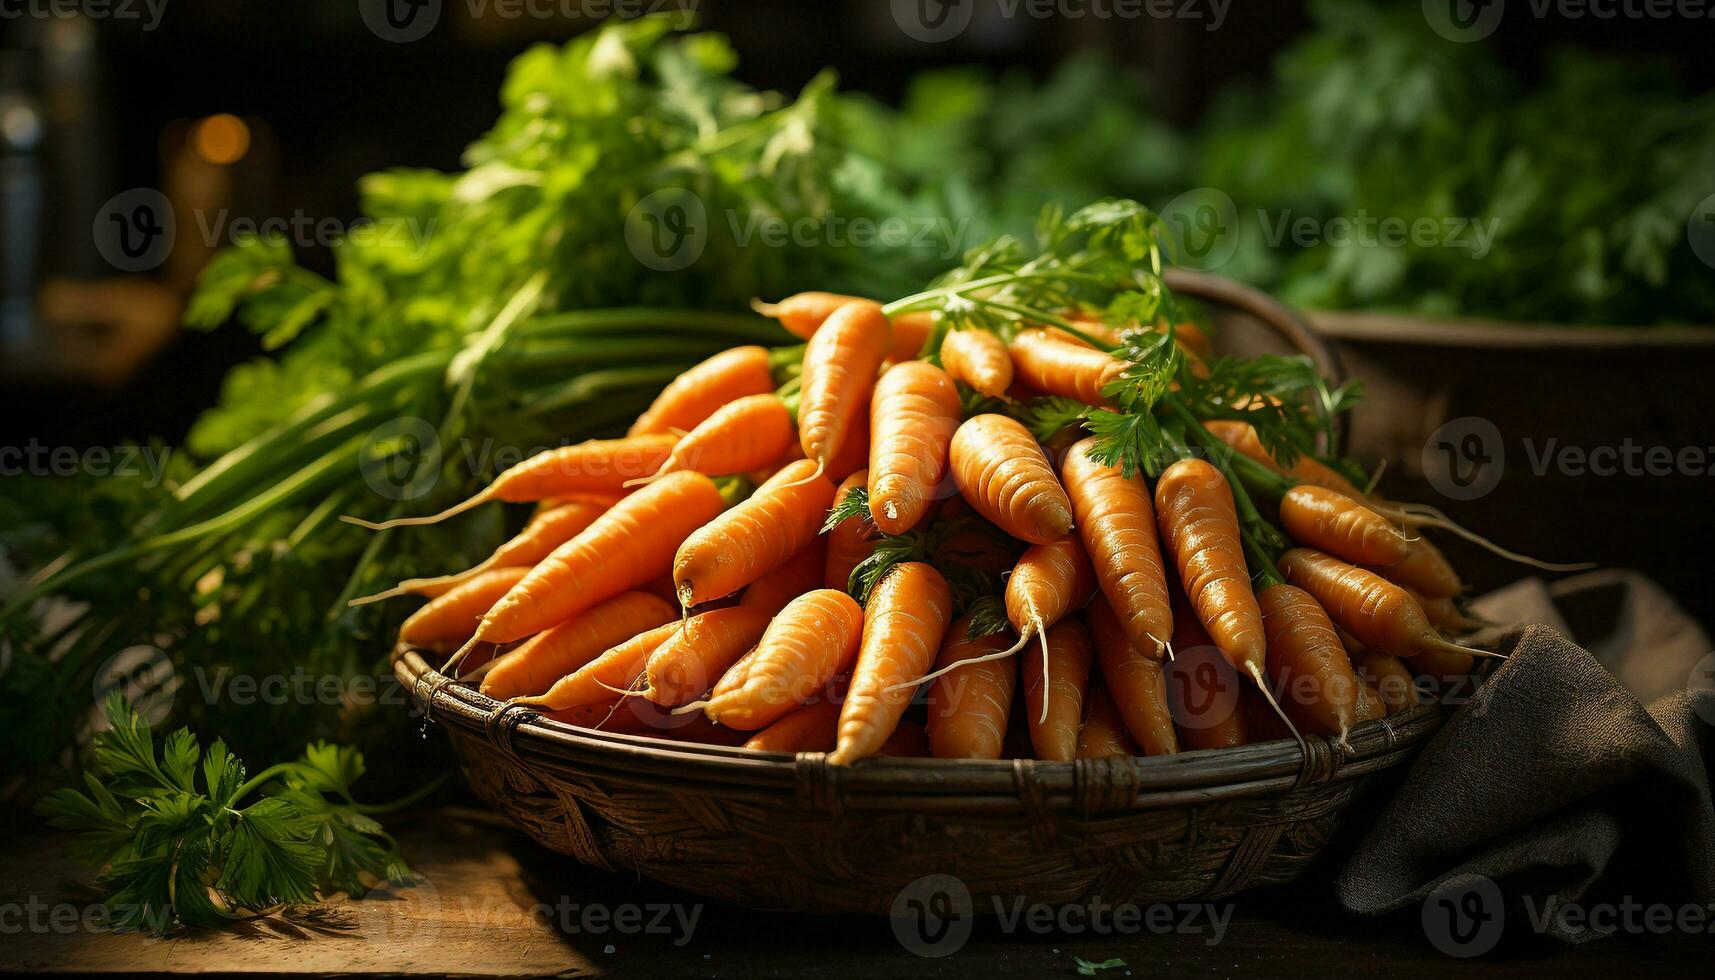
x,y
496,905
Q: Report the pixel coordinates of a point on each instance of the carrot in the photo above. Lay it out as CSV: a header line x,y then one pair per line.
x,y
598,466
970,703
754,538
695,396
840,365
1203,690
1135,680
911,332
854,454
624,549
1442,666
602,500
546,531
809,729
1054,691
979,359
1370,705
815,637
1194,508
903,625
802,314
1117,524
912,417
1445,615
908,741
1309,668
1103,734
690,661
744,434
542,660
1057,367
1380,614
1342,526
596,681
450,619
800,574
1242,437
1049,582
1002,472
1425,570
850,541
1391,679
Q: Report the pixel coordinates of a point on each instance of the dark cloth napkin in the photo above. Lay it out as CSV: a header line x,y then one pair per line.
x,y
1555,781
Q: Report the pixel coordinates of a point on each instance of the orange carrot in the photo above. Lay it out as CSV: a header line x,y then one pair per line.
x,y
754,538
840,365
601,500
1342,526
546,531
1103,733
1135,680
1391,679
1310,670
697,394
800,574
814,637
542,660
1306,469
1442,666
851,541
1054,366
912,417
854,454
1194,508
597,466
1425,570
744,434
690,661
1049,582
1117,525
911,331
596,681
904,622
451,619
1054,691
1380,614
802,314
624,549
969,705
1203,689
811,728
1370,705
1002,472
979,359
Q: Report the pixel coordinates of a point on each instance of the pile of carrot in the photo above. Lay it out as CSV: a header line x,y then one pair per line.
x,y
838,555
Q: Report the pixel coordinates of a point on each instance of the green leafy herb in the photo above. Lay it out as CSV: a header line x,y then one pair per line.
x,y
1087,969
182,837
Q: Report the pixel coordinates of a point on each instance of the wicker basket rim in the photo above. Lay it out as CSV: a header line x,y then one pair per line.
x,y
643,760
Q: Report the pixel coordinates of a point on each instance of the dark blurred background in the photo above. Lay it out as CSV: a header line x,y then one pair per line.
x,y
275,109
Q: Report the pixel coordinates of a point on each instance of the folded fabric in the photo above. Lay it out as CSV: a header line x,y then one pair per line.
x,y
1552,778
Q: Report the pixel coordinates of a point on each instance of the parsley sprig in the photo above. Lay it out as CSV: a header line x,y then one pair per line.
x,y
183,837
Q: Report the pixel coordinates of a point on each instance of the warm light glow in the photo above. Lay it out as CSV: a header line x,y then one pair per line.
x,y
222,139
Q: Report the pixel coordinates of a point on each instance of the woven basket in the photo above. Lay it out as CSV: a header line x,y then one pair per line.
x,y
772,831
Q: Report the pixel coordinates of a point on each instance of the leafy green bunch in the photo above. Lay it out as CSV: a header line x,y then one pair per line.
x,y
183,837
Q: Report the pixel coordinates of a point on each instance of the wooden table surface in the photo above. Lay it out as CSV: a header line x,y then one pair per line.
x,y
489,894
